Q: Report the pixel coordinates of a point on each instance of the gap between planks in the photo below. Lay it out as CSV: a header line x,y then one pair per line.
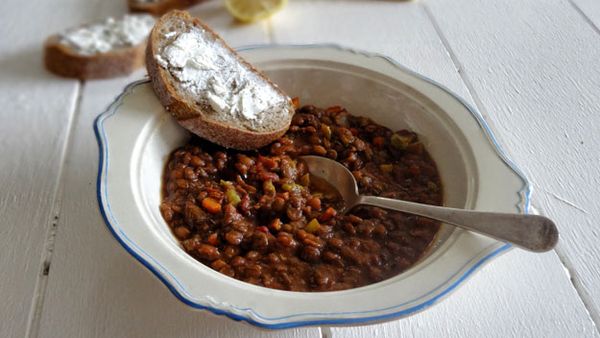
x,y
577,284
37,302
567,265
585,17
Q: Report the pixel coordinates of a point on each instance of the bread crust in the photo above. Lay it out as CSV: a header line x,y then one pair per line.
x,y
160,8
192,117
64,61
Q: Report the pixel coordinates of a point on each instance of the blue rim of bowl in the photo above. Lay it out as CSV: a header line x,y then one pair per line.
x,y
523,205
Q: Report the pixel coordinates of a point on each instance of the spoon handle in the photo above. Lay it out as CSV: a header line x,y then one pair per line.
x,y
531,232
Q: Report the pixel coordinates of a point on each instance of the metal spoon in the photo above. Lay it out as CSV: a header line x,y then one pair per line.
x,y
530,232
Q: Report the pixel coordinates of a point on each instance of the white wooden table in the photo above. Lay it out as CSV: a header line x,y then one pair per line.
x,y
531,67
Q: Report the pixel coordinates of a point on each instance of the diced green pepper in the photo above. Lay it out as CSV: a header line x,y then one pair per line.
x,y
268,187
326,130
233,197
400,142
312,226
291,187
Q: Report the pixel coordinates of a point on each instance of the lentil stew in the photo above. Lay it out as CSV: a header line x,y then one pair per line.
x,y
258,216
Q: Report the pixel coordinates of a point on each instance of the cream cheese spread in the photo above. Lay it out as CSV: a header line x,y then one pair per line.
x,y
208,71
109,34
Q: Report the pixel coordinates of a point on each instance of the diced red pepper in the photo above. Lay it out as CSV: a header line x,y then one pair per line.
x,y
213,239
267,162
269,176
414,170
328,214
275,224
334,109
378,141
262,228
296,102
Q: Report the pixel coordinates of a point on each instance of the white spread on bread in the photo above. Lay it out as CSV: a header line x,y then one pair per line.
x,y
206,69
109,34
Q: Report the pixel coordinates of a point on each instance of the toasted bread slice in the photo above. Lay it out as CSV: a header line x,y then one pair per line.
x,y
226,116
120,55
159,7
63,61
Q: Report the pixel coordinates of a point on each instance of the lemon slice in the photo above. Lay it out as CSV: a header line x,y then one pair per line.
x,y
253,10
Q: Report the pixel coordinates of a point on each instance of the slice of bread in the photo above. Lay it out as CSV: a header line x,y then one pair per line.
x,y
66,59
159,7
63,61
193,105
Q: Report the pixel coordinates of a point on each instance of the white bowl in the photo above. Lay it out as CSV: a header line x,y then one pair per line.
x,y
135,136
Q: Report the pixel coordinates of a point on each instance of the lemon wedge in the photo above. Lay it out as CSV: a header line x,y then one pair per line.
x,y
253,10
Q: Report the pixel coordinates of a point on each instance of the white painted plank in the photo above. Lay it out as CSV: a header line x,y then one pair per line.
x,y
95,289
591,10
35,116
518,295
536,68
396,29
521,294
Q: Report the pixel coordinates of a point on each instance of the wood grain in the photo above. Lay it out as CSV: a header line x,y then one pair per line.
x,y
95,288
397,29
537,73
506,297
37,109
591,10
